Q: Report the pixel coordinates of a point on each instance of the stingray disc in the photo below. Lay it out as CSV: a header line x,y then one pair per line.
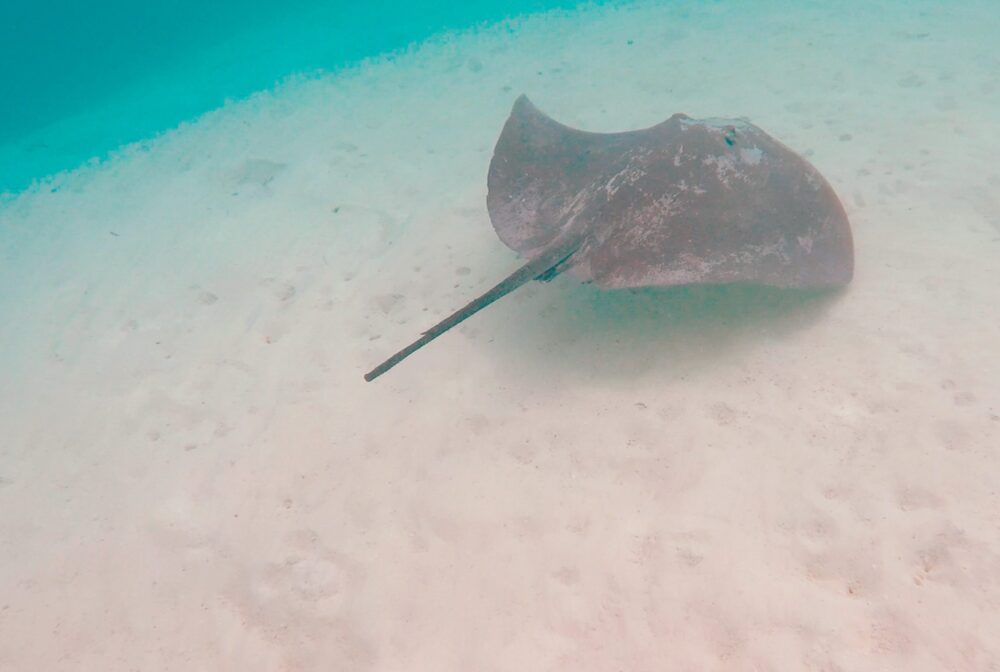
x,y
686,201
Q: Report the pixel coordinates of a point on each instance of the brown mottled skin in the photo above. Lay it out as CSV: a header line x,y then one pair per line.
x,y
683,202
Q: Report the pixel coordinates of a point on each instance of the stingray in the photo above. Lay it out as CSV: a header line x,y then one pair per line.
x,y
688,201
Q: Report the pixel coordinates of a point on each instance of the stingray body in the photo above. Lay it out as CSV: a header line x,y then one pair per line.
x,y
684,202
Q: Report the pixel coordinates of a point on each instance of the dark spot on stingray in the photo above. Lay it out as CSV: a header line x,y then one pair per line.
x,y
657,207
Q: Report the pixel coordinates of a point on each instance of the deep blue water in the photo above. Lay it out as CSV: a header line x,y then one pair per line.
x,y
80,79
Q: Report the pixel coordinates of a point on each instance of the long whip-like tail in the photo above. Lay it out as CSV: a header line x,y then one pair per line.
x,y
541,265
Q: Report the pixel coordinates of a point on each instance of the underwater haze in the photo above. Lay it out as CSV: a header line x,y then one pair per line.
x,y
217,218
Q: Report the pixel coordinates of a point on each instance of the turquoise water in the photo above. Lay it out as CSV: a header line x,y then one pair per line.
x,y
81,80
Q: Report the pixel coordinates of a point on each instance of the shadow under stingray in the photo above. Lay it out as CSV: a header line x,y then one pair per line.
x,y
571,331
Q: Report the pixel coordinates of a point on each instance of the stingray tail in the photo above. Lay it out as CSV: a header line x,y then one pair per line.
x,y
542,267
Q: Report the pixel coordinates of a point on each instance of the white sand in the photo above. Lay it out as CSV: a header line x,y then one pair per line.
x,y
193,475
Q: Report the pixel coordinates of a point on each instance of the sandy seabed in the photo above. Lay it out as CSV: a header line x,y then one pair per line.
x,y
194,476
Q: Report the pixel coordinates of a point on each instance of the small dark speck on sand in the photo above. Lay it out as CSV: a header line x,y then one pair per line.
x,y
846,137
113,234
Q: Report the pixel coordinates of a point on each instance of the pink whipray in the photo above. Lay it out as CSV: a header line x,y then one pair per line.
x,y
688,201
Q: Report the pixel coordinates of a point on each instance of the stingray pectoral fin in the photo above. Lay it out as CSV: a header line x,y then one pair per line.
x,y
543,266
